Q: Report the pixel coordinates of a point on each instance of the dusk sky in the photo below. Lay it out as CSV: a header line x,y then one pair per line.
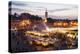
x,y
39,9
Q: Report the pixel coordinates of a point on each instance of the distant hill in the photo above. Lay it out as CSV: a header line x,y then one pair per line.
x,y
24,16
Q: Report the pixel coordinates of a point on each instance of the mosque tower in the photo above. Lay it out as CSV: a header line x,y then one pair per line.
x,y
46,16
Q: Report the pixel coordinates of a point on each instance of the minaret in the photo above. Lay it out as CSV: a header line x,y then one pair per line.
x,y
46,16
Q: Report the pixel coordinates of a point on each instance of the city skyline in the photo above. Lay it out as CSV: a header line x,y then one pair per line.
x,y
70,11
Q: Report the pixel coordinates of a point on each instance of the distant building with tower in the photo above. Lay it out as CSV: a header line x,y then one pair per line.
x,y
46,16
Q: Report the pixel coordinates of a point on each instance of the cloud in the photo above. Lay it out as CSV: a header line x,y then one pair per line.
x,y
18,3
18,9
56,10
